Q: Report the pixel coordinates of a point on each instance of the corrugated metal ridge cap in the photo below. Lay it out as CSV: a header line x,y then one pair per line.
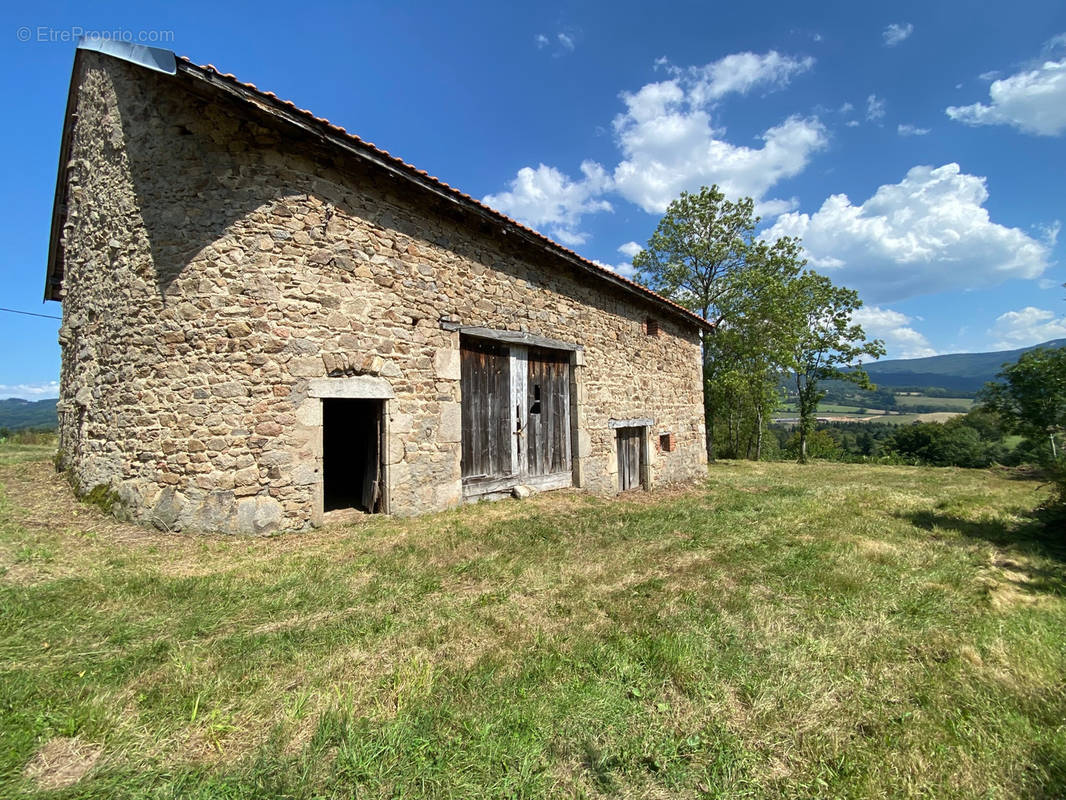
x,y
422,175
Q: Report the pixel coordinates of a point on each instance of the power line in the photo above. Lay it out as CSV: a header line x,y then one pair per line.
x,y
28,313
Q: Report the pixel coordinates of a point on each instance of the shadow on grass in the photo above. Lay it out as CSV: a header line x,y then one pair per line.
x,y
1041,537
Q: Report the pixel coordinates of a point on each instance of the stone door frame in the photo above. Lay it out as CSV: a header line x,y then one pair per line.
x,y
359,387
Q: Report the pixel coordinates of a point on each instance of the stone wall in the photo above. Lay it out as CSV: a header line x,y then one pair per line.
x,y
216,263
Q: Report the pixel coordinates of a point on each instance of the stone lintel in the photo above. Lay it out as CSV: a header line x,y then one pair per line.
x,y
637,422
511,337
360,387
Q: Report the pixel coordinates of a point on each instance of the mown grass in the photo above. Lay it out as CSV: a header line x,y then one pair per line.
x,y
782,631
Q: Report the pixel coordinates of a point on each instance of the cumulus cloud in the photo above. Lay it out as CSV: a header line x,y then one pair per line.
x,y
1027,327
875,108
901,340
911,130
928,233
30,391
668,144
896,33
630,249
1033,100
548,200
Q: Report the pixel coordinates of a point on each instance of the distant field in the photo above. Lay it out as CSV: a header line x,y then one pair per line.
x,y
959,403
829,631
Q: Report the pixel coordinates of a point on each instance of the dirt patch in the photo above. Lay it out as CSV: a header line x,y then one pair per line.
x,y
62,762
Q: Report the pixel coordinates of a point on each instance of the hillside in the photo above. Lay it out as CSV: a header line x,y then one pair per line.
x,y
16,414
962,371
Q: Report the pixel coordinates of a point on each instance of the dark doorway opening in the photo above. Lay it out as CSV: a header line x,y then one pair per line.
x,y
353,470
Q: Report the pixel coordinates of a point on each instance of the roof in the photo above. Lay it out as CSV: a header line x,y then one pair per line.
x,y
165,61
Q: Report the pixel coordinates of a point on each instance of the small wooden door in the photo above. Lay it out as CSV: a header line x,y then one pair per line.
x,y
547,434
630,458
486,414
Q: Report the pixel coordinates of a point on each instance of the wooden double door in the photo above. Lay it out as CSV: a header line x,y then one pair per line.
x,y
515,417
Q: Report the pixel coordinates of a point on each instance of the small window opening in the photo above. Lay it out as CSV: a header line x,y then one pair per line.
x,y
651,326
666,442
535,409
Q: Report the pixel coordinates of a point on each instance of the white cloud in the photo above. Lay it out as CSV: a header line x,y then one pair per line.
x,y
1026,327
928,233
1048,283
546,199
911,130
625,270
668,144
1050,232
564,43
742,72
875,108
852,123
630,249
991,75
30,391
896,33
1033,101
847,108
901,340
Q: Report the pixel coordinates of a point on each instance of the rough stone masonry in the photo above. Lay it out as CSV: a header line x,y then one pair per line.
x,y
219,266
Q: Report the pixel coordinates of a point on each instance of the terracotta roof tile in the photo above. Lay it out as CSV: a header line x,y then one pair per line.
x,y
441,184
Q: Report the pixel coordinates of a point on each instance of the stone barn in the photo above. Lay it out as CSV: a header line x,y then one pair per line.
x,y
266,319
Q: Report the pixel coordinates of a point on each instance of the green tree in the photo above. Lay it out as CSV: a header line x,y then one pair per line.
x,y
1030,398
824,344
704,255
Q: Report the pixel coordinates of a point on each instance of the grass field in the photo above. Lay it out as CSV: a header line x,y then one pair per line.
x,y
781,631
962,404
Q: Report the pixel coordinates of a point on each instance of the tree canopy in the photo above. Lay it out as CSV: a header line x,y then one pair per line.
x,y
770,315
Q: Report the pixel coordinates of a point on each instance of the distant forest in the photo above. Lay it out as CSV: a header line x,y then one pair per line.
x,y
17,415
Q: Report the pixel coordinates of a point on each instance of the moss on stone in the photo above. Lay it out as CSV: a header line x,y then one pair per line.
x,y
102,496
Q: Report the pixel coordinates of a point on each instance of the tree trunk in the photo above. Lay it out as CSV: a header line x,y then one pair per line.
x,y
758,437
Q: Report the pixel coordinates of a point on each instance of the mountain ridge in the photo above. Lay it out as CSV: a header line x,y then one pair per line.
x,y
962,371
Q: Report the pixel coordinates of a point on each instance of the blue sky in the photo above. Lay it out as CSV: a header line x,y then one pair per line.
x,y
918,148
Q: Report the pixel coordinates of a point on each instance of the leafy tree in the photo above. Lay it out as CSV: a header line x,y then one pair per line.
x,y
818,444
1030,397
704,255
824,343
697,251
944,445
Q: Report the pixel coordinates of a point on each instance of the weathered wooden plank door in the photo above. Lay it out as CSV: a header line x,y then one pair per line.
x,y
547,436
486,415
629,458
